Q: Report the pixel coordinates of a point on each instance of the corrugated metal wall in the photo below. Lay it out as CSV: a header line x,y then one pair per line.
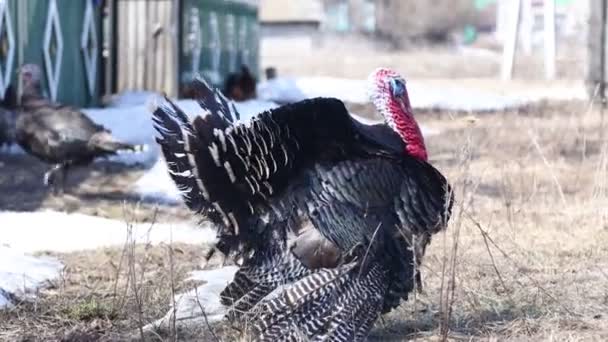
x,y
52,34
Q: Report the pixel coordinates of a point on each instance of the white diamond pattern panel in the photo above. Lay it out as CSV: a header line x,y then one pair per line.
x,y
231,43
53,63
243,42
254,34
195,39
89,47
6,30
215,48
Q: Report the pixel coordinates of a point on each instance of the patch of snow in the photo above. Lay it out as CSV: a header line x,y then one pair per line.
x,y
156,184
4,301
459,99
63,232
27,232
188,305
21,274
130,98
422,94
280,90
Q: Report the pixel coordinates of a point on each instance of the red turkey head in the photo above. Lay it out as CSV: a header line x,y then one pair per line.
x,y
388,93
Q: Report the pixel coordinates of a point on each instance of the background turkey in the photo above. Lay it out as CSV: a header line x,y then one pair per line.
x,y
240,85
58,134
308,196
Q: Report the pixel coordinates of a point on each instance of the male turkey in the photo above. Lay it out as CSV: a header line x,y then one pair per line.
x,y
58,134
308,197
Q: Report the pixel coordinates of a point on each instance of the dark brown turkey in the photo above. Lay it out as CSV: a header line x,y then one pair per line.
x,y
58,134
328,217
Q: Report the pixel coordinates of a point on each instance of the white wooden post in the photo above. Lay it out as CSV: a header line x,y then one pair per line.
x,y
549,37
510,42
526,27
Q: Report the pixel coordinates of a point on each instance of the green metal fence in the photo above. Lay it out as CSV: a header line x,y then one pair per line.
x,y
63,37
217,37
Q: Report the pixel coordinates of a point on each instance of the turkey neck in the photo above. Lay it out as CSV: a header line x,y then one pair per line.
x,y
31,96
406,126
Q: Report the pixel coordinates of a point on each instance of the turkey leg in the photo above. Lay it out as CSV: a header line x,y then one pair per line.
x,y
64,177
49,176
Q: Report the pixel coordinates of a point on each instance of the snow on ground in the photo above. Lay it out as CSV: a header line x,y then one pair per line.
x,y
4,301
423,94
22,274
28,232
157,185
188,305
62,232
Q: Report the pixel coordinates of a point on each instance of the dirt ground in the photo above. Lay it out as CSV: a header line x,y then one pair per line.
x,y
102,189
525,257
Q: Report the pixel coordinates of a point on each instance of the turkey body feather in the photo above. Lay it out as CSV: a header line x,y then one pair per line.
x,y
308,197
59,134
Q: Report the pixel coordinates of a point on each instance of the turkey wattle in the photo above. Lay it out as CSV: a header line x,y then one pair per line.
x,y
58,134
306,196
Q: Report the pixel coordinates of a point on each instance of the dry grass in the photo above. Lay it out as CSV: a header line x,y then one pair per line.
x,y
107,294
525,257
526,254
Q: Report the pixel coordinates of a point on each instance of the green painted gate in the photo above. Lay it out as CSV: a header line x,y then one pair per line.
x,y
63,37
217,37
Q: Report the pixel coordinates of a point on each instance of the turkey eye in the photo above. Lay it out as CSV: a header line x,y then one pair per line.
x,y
397,87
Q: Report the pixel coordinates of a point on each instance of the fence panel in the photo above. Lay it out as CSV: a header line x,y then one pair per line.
x,y
217,37
63,37
144,47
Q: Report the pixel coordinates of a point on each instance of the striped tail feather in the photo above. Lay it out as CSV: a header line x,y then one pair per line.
x,y
221,112
329,305
254,282
205,185
229,172
177,141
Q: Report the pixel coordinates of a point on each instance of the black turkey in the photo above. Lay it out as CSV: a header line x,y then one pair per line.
x,y
58,134
327,217
241,85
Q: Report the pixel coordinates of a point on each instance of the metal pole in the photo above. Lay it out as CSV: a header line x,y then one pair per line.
x,y
22,39
508,54
176,32
549,33
602,79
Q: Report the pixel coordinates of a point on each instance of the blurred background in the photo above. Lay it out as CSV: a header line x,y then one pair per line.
x,y
509,94
105,47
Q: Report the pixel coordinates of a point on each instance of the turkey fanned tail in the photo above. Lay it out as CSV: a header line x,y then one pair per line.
x,y
338,304
229,171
